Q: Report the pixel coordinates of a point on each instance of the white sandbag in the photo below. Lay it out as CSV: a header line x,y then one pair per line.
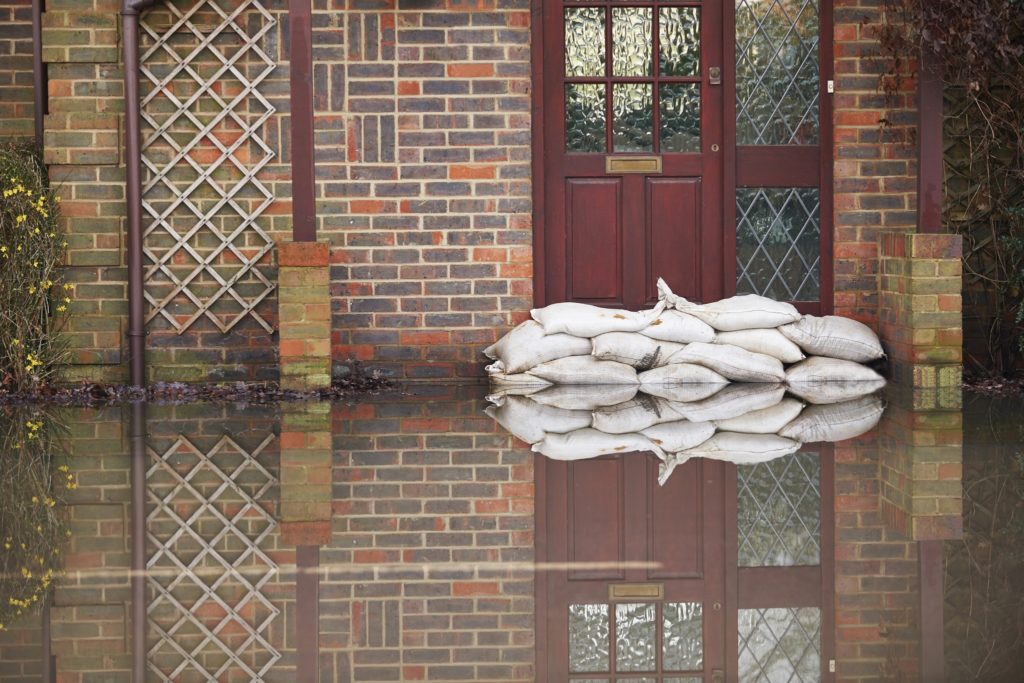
x,y
768,342
820,369
584,320
678,327
743,449
825,393
835,337
527,345
732,362
681,374
636,350
530,421
836,422
585,370
581,397
632,416
764,421
680,434
733,401
744,312
683,393
591,443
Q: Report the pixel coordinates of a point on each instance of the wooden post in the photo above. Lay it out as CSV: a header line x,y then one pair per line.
x,y
300,63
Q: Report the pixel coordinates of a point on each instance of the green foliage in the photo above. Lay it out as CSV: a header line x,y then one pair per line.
x,y
32,532
32,297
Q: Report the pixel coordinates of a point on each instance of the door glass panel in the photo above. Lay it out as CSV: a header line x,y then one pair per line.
x,y
778,242
777,72
780,644
633,117
679,41
584,41
588,638
682,637
680,117
584,117
779,512
635,630
631,41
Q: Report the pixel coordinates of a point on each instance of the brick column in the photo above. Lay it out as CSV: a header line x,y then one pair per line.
x,y
920,317
304,310
306,467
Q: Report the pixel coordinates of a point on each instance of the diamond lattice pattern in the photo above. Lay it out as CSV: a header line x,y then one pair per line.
x,y
779,512
777,72
778,242
780,645
208,617
203,115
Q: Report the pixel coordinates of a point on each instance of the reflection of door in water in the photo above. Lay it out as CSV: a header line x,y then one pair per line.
x,y
668,152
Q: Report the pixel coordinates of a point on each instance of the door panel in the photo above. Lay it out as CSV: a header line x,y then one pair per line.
x,y
594,222
596,520
673,217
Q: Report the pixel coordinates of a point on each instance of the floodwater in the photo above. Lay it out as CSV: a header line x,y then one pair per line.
x,y
413,537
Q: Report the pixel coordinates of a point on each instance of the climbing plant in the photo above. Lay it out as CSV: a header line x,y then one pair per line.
x,y
978,45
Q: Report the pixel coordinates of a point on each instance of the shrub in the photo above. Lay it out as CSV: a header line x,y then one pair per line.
x,y
33,298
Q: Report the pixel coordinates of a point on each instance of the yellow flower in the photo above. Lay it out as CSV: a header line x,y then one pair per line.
x,y
16,342
31,289
21,219
62,308
68,286
3,250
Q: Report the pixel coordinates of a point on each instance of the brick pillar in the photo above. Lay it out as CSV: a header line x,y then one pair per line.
x,y
306,472
920,317
304,309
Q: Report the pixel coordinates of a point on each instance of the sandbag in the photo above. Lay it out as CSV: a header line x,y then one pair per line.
x,y
636,350
530,421
583,444
585,370
680,434
632,416
732,362
744,312
581,397
820,369
768,342
681,374
584,320
826,393
733,401
527,345
834,337
836,422
743,449
679,327
764,421
682,393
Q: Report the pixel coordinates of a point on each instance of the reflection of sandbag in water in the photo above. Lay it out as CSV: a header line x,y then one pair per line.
x,y
824,393
632,416
683,393
520,379
732,362
744,312
581,397
682,374
591,443
633,349
837,421
764,421
584,320
527,345
680,434
586,370
530,421
679,327
768,342
829,380
835,337
743,448
732,401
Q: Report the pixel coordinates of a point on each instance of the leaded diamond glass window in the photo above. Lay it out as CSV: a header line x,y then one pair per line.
x,y
780,644
779,512
778,242
777,80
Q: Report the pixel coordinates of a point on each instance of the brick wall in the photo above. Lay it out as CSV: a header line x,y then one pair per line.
x,y
20,652
16,102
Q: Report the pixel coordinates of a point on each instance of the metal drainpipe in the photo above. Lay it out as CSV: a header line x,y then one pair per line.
x,y
38,75
133,191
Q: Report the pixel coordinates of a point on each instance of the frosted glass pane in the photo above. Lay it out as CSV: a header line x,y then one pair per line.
x,y
682,637
679,41
680,117
631,41
588,638
635,637
633,111
584,41
584,117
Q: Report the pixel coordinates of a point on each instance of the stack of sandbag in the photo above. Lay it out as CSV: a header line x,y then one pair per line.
x,y
745,338
740,423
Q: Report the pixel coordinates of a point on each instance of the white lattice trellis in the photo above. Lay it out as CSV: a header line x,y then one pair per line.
x,y
203,152
207,570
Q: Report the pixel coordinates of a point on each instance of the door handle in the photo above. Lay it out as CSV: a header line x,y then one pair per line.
x,y
715,75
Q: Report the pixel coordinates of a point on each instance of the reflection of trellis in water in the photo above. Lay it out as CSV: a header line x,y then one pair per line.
x,y
209,615
203,151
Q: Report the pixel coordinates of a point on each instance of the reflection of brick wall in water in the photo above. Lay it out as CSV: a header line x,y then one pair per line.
x,y
432,503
